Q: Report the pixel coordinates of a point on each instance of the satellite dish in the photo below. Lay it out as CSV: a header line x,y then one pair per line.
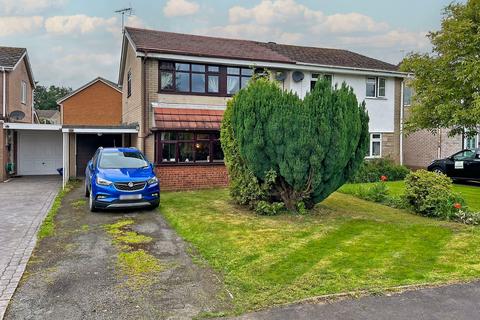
x,y
297,76
280,75
17,115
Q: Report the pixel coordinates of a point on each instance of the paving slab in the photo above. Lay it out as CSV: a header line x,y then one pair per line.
x,y
24,203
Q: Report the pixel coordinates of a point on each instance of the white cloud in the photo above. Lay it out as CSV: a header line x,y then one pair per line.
x,y
28,6
403,39
77,24
19,25
176,8
353,22
274,12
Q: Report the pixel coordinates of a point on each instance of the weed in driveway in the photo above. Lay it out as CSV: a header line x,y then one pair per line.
x,y
79,203
134,262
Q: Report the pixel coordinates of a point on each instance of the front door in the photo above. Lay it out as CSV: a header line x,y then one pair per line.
x,y
87,144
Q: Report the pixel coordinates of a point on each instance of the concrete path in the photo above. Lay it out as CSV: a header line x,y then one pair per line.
x,y
23,204
460,302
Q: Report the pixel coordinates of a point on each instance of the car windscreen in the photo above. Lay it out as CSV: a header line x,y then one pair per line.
x,y
122,160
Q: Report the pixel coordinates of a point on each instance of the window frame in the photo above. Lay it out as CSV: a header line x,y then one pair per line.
x,y
23,92
372,140
129,83
318,75
221,73
376,81
212,140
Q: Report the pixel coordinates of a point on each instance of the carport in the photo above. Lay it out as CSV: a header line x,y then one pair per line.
x,y
81,142
41,149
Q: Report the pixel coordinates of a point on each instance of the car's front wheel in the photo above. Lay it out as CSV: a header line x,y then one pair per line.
x,y
91,202
438,170
87,193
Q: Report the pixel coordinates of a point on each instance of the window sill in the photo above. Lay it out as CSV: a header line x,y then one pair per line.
x,y
372,157
219,95
375,98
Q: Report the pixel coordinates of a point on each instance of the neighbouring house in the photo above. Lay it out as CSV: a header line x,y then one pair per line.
x,y
176,86
422,147
16,103
48,116
90,117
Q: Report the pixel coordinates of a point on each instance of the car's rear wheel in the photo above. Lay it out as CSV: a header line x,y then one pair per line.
x,y
91,203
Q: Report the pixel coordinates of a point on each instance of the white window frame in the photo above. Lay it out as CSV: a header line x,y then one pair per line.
x,y
384,87
376,82
317,76
23,89
372,140
465,141
411,95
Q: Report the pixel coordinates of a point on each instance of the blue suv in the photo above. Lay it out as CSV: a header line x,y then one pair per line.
x,y
121,178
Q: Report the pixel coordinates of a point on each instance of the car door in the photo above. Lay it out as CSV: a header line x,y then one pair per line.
x,y
461,165
474,170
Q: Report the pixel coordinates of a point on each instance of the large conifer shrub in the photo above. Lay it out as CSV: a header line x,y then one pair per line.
x,y
280,148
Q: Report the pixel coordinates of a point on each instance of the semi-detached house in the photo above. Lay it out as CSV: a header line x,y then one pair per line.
x,y
176,86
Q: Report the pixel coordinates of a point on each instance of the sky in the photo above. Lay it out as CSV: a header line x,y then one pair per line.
x,y
70,42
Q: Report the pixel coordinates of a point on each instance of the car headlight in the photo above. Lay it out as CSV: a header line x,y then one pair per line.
x,y
103,182
152,180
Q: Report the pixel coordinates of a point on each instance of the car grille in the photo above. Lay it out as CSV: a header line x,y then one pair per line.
x,y
134,186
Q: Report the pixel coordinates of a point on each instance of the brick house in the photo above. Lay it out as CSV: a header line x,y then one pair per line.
x,y
175,86
90,117
16,102
422,147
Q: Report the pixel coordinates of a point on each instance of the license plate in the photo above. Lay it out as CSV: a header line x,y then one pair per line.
x,y
130,197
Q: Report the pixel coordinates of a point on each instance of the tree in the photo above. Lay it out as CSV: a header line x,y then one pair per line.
x,y
309,147
46,98
446,82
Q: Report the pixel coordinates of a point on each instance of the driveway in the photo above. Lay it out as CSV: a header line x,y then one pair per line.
x,y
24,203
114,265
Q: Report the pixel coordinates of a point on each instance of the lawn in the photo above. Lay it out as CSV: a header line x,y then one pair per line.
x,y
345,244
470,192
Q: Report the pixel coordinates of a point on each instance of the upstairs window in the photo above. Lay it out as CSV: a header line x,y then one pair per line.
x,y
202,79
129,83
316,76
24,92
376,87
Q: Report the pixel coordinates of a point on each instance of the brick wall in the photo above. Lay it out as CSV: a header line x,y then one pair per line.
x,y
14,92
192,177
98,104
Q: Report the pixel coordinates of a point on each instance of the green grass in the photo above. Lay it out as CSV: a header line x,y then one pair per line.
x,y
470,192
47,228
346,244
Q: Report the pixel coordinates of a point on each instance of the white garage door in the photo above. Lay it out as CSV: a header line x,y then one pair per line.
x,y
39,152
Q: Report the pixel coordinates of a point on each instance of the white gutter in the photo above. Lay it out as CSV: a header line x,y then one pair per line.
x,y
4,93
277,65
100,130
401,120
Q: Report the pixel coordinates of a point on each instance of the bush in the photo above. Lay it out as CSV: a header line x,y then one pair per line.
x,y
312,146
472,218
372,169
269,209
430,194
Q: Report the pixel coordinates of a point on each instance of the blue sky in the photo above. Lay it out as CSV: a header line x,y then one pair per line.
x,y
71,42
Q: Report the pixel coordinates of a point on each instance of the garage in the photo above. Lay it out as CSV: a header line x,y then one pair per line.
x,y
87,144
39,152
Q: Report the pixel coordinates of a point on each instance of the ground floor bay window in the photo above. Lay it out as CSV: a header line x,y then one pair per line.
x,y
188,147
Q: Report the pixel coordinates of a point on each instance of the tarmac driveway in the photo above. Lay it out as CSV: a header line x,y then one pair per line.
x,y
24,203
114,265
